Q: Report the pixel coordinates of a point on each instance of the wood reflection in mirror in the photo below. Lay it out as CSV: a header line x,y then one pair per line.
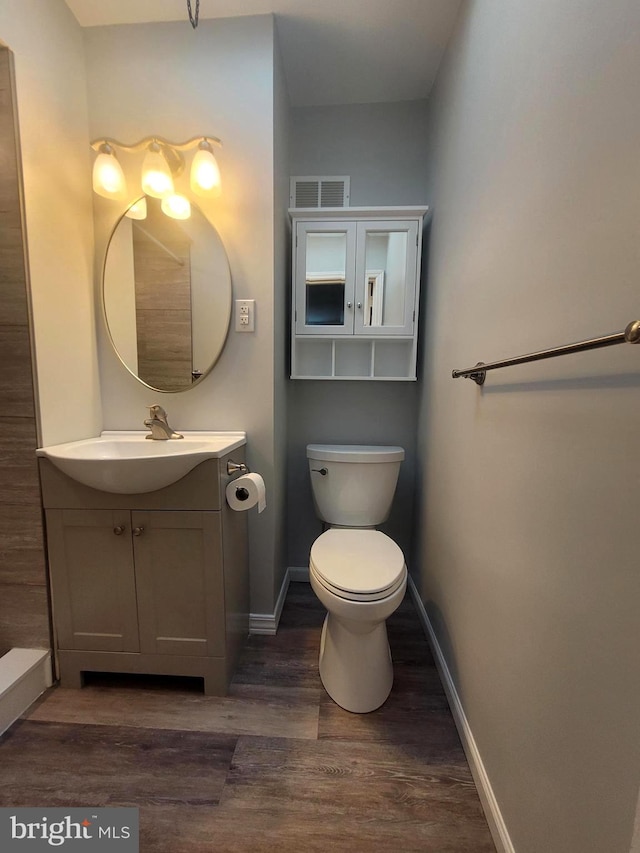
x,y
162,271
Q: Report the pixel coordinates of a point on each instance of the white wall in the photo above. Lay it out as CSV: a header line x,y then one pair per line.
x,y
52,110
173,81
529,518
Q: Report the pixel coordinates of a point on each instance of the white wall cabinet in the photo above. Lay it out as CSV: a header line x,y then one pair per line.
x,y
356,275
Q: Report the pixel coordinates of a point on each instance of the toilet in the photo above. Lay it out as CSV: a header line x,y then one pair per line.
x,y
356,571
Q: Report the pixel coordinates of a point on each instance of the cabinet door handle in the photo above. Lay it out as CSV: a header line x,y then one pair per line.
x,y
349,304
138,531
119,529
359,304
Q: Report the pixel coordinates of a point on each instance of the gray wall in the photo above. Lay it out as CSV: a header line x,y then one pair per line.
x,y
381,147
282,251
348,413
529,511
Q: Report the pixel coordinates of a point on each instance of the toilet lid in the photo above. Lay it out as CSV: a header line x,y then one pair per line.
x,y
358,562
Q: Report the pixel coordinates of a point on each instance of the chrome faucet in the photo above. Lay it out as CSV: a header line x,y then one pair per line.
x,y
159,426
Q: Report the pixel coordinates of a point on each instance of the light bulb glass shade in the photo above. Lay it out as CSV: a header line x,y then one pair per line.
x,y
176,206
138,209
205,173
108,177
156,174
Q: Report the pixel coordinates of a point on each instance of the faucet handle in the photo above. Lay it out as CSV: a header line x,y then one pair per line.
x,y
156,411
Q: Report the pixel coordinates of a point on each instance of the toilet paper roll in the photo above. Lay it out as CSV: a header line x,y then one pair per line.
x,y
245,492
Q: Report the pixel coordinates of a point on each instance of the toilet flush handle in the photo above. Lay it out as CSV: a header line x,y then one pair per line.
x,y
322,471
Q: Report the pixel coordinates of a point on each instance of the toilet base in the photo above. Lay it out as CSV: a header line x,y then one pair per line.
x,y
355,663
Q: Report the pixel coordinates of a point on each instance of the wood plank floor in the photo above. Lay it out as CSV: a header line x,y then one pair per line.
x,y
273,765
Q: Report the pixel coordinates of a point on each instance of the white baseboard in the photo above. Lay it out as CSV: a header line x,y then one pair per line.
x,y
489,803
267,623
24,675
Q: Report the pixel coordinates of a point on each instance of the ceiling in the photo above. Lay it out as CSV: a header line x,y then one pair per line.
x,y
333,51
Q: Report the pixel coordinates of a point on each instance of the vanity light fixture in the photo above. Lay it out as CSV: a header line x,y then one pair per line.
x,y
163,160
205,172
156,180
108,177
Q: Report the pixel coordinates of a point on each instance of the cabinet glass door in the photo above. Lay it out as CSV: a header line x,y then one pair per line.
x,y
385,287
325,276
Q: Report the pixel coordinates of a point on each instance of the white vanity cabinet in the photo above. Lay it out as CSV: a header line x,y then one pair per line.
x,y
356,274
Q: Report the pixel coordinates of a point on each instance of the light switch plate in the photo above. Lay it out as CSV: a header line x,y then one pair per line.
x,y
245,315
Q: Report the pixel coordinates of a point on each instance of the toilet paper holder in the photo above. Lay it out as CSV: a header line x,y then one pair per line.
x,y
236,467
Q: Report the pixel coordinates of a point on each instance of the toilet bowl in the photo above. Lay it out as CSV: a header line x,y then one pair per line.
x,y
360,576
357,572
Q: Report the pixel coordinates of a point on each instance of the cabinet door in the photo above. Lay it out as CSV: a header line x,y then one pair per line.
x,y
324,275
386,277
92,579
178,559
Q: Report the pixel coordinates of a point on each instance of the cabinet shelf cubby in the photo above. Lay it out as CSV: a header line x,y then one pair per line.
x,y
354,359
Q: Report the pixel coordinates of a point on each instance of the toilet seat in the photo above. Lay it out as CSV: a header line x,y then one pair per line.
x,y
362,597
357,565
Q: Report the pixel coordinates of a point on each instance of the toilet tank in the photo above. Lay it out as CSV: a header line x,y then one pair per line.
x,y
358,483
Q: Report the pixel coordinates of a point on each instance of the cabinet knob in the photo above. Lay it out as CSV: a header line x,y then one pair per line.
x,y
359,304
349,304
138,531
119,529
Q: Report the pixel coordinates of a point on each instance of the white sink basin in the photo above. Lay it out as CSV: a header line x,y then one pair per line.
x,y
129,463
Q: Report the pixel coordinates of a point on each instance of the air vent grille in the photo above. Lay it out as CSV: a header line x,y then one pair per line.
x,y
307,194
332,194
317,192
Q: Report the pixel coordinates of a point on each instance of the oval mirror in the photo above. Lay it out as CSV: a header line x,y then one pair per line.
x,y
167,295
